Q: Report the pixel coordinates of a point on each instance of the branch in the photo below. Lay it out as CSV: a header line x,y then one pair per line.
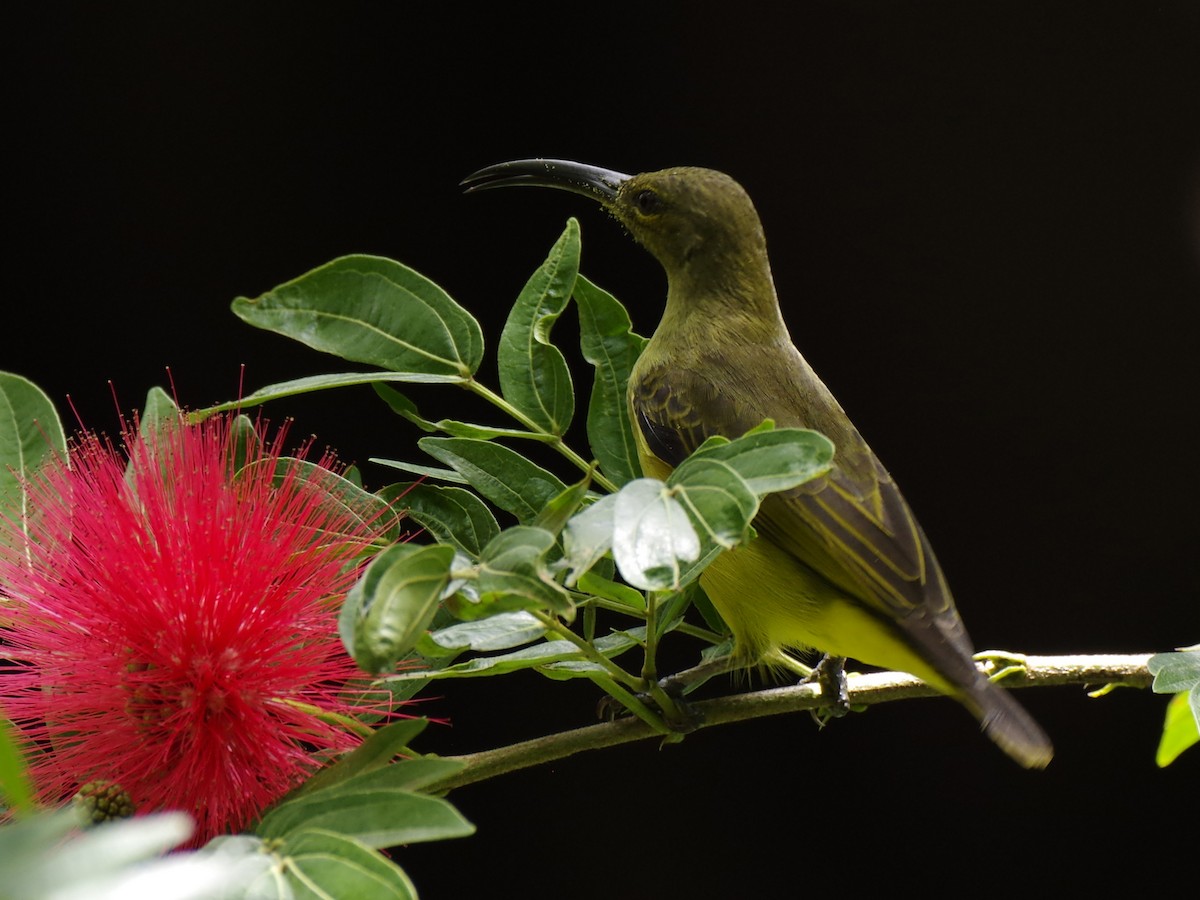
x,y
863,690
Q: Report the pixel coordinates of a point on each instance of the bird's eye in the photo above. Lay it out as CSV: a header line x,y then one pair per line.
x,y
647,202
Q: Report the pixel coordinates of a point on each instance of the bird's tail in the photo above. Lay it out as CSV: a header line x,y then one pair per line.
x,y
1005,721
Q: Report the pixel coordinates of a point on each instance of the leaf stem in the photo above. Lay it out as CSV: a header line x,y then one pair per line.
x,y
593,655
670,707
696,631
649,665
552,440
348,722
632,703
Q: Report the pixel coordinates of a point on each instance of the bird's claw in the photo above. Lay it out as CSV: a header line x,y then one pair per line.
x,y
609,708
676,715
830,674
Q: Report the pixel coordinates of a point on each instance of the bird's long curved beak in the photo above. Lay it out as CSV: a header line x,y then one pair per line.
x,y
591,181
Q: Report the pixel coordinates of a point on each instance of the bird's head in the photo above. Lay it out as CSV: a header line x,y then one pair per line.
x,y
699,223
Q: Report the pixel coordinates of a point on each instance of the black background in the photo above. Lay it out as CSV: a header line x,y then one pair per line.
x,y
983,224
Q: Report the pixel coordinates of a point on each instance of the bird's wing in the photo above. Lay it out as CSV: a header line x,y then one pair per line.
x,y
852,525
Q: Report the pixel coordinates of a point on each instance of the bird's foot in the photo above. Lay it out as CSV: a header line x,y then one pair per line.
x,y
830,674
661,709
680,717
663,705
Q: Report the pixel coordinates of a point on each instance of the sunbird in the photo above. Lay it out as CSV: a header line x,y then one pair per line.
x,y
839,564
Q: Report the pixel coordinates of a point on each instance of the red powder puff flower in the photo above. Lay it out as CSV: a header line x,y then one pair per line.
x,y
171,626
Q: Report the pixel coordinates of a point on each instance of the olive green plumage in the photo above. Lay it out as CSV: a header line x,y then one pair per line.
x,y
840,564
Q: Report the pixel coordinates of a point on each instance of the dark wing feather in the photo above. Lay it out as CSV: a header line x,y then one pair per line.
x,y
668,414
852,526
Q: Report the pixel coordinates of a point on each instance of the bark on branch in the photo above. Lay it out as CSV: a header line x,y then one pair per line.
x,y
863,689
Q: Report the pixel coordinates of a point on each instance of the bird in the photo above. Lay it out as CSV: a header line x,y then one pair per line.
x,y
840,564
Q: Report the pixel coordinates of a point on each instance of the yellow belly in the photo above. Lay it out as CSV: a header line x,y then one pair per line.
x,y
770,601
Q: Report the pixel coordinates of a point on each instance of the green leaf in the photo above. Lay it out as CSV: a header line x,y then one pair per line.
x,y
652,534
405,407
533,373
376,816
158,408
31,845
407,774
598,586
501,475
721,483
513,575
1173,672
588,536
325,865
1178,673
312,383
556,513
372,310
610,645
487,432
15,789
773,460
393,603
525,658
417,469
245,443
452,515
608,342
663,535
545,655
46,855
670,613
717,497
30,432
1181,727
499,632
377,751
